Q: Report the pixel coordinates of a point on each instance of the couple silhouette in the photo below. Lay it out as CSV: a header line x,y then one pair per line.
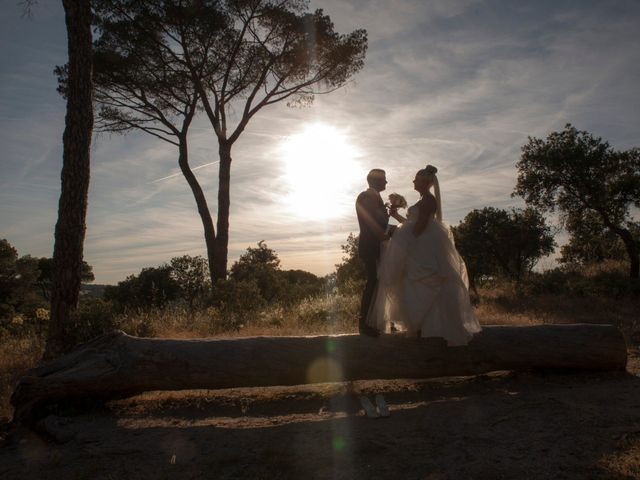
x,y
416,281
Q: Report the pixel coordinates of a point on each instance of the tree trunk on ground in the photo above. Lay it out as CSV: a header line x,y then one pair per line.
x,y
203,208
117,365
72,207
224,201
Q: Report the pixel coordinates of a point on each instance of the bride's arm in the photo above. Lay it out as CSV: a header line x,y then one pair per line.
x,y
426,210
393,212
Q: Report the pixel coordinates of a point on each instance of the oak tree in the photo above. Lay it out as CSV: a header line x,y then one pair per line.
x,y
574,172
507,243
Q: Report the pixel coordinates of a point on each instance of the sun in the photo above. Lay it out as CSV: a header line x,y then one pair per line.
x,y
321,170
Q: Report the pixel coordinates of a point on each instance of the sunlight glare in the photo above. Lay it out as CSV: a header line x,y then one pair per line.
x,y
322,171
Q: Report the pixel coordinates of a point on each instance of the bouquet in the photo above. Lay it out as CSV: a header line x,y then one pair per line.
x,y
397,201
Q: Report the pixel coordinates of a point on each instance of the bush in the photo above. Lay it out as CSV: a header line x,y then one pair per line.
x,y
152,287
602,279
139,324
350,274
334,310
94,317
299,285
234,303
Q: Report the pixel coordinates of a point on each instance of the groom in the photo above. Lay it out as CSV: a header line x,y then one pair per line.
x,y
373,220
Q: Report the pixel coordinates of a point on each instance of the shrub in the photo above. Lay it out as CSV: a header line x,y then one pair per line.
x,y
602,279
139,324
234,303
94,317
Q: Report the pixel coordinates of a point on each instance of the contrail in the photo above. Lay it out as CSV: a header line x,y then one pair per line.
x,y
180,173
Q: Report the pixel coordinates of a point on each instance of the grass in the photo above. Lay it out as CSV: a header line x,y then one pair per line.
x,y
333,314
325,314
17,355
598,294
498,308
626,462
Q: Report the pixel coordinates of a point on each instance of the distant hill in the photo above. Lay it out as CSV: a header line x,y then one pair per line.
x,y
92,290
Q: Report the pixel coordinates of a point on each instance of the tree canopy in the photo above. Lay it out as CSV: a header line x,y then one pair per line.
x,y
158,61
590,241
25,282
508,243
261,265
350,273
45,275
152,287
574,172
17,277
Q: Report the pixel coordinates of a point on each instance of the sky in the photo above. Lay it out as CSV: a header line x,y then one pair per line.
x,y
460,84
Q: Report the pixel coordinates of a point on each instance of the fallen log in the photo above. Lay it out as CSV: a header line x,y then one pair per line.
x,y
117,365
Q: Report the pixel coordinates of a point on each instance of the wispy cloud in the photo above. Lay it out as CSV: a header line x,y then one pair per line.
x,y
458,84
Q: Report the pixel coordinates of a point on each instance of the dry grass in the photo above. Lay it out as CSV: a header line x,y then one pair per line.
x,y
626,462
505,305
326,314
16,357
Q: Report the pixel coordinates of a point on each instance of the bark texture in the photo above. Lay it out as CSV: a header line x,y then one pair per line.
x,y
117,365
201,203
632,251
72,207
224,202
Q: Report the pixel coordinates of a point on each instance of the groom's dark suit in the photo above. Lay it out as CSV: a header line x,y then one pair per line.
x,y
373,220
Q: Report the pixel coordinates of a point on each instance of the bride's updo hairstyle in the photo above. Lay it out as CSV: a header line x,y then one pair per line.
x,y
430,172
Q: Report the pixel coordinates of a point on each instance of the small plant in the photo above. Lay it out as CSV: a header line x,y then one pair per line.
x,y
94,317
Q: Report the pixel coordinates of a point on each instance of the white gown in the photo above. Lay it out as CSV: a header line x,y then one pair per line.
x,y
423,285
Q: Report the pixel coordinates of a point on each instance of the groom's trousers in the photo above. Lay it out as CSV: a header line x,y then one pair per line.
x,y
371,269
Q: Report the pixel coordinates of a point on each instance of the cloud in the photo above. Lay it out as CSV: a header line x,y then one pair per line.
x,y
458,84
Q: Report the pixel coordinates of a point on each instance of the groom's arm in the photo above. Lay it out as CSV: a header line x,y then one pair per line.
x,y
366,208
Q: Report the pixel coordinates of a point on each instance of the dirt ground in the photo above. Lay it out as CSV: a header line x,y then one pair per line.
x,y
499,426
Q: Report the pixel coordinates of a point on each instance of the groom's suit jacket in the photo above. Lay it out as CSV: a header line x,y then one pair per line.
x,y
373,220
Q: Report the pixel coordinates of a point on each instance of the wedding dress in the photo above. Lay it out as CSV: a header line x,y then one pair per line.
x,y
423,285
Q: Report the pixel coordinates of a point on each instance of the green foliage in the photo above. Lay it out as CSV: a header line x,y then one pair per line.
x,y
17,279
152,287
591,241
192,276
575,172
300,285
256,53
185,278
350,274
235,303
310,312
261,266
140,78
92,318
603,279
25,284
45,276
507,243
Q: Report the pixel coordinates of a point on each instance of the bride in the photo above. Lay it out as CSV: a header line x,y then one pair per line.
x,y
422,280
